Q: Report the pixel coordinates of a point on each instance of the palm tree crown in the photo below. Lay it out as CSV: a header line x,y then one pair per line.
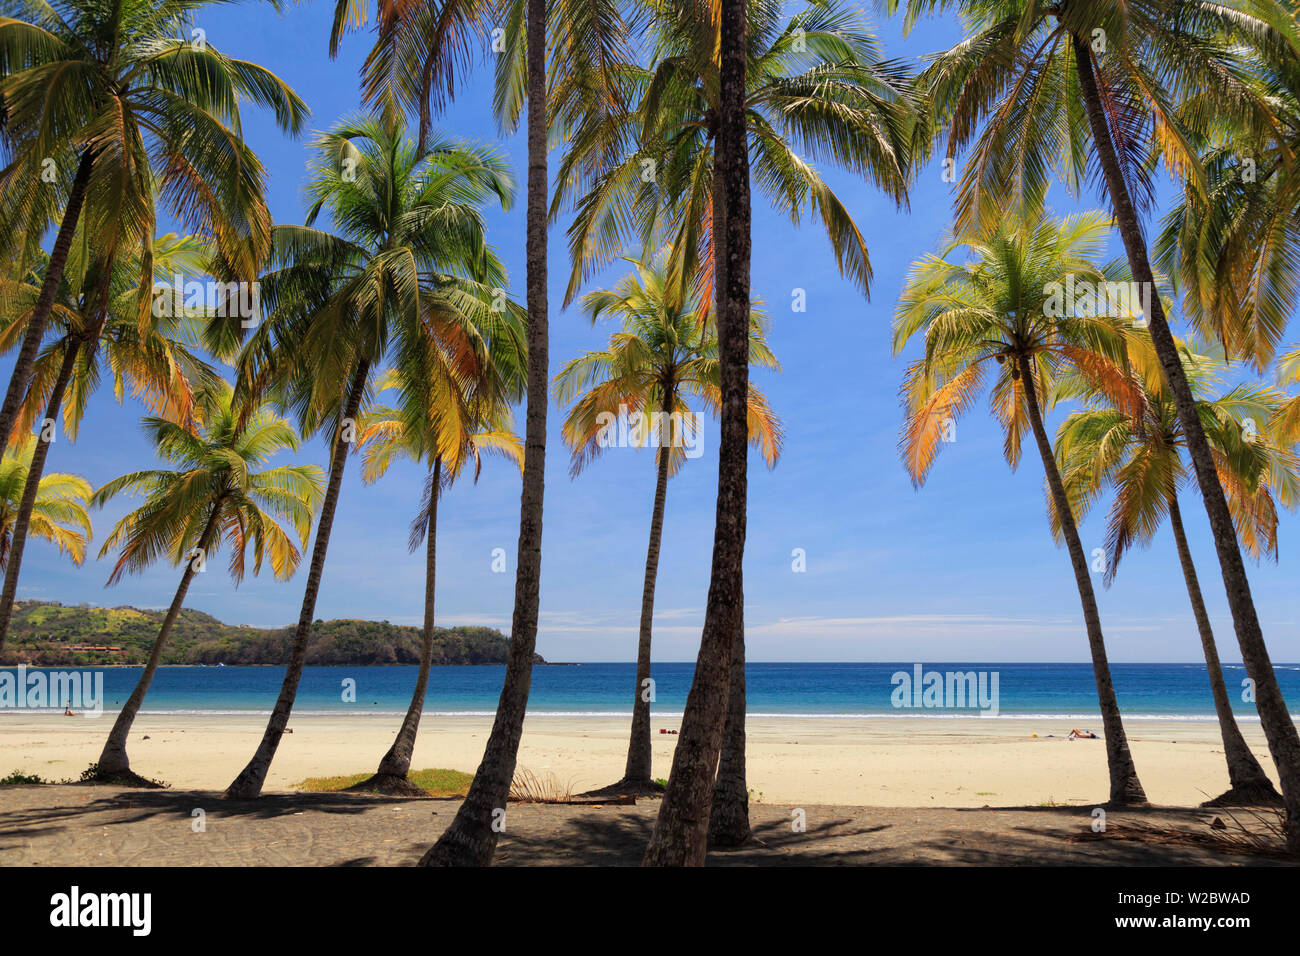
x,y
60,514
995,308
663,354
817,89
408,270
1140,452
157,362
387,433
137,87
216,478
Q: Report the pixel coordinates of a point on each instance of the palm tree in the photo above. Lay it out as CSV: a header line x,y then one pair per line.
x,y
132,97
471,838
1034,85
816,89
96,311
816,82
1137,450
680,835
997,307
388,433
59,514
410,266
419,48
212,496
665,352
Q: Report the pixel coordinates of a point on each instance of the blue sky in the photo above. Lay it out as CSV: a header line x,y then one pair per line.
x,y
963,569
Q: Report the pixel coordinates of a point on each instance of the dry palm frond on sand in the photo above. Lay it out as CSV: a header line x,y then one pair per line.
x,y
1257,832
530,787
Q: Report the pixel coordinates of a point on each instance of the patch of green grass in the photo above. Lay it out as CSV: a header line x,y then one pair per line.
x,y
439,783
661,781
18,779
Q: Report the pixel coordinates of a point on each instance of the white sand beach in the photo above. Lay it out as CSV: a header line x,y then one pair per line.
x,y
882,762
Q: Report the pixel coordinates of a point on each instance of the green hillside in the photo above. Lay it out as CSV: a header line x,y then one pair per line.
x,y
42,632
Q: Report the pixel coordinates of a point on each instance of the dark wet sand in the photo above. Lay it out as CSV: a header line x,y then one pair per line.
x,y
71,825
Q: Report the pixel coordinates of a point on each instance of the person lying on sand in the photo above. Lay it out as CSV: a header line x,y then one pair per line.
x,y
1082,735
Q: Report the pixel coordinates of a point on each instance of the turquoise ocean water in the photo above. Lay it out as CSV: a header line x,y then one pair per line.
x,y
1065,691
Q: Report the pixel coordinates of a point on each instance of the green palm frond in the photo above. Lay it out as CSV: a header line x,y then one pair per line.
x,y
138,89
1138,452
818,90
1006,300
218,474
664,352
60,514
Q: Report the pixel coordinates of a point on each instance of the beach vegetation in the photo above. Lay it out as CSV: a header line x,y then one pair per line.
x,y
470,421
663,358
17,778
408,267
1137,448
1111,92
978,306
118,109
219,495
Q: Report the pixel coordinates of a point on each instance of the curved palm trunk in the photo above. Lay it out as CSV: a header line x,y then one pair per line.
x,y
1124,786
1283,741
26,361
729,819
680,836
1250,784
23,520
637,772
396,764
113,761
249,783
471,839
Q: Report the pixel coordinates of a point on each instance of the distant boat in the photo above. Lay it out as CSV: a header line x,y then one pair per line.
x,y
221,665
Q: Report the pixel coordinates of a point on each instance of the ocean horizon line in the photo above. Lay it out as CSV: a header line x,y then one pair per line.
x,y
1235,665
901,714
856,691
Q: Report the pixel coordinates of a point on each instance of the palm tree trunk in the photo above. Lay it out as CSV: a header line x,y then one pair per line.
x,y
1124,786
1283,741
471,839
637,772
1249,783
396,764
113,762
248,784
22,521
680,836
26,361
729,820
